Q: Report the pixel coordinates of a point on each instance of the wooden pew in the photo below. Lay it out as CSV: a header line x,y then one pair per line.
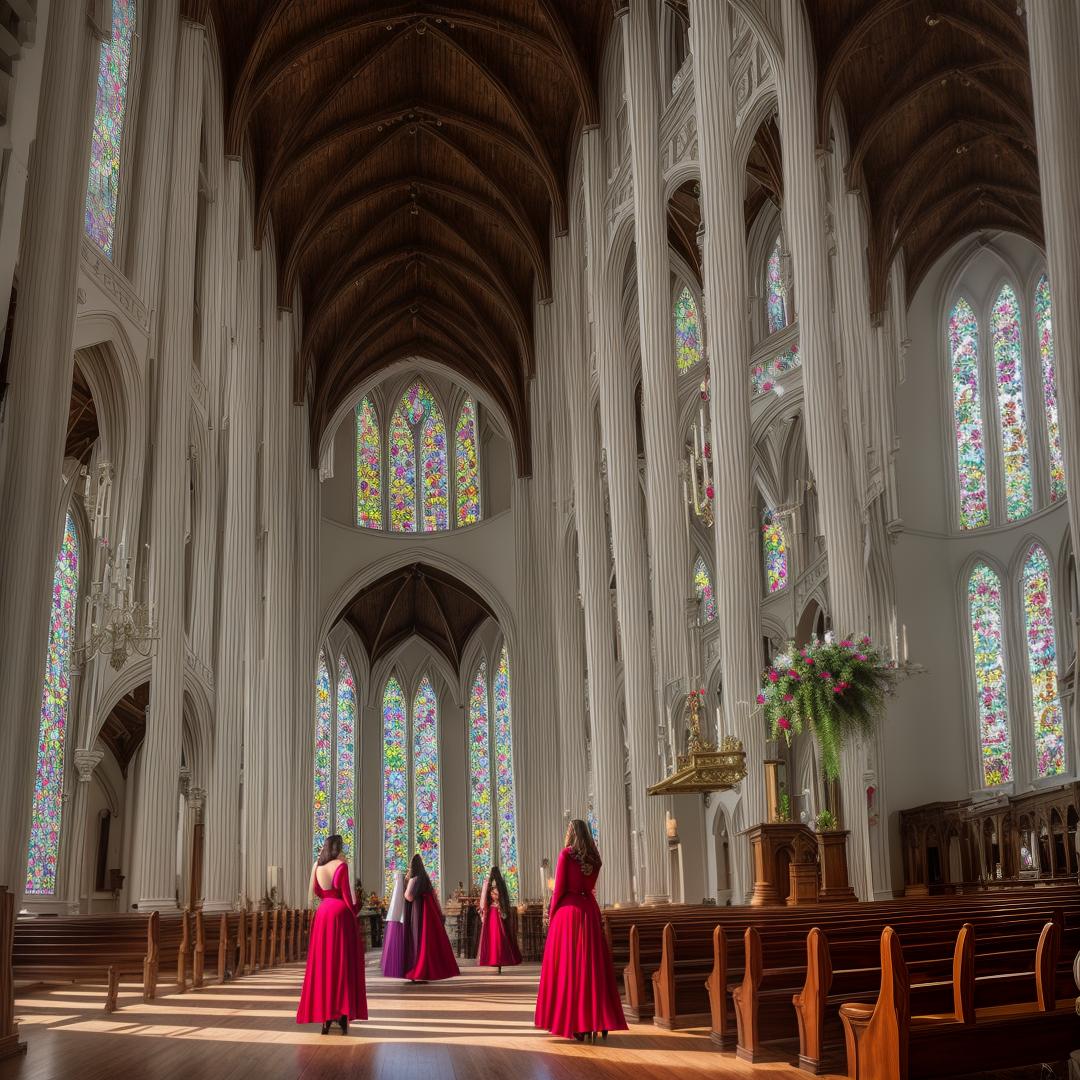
x,y
211,939
680,996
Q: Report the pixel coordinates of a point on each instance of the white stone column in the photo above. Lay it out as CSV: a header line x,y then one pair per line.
x,y
1053,40
725,289
609,799
618,421
155,852
84,762
826,445
35,412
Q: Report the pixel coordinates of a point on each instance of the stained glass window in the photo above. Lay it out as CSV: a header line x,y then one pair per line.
x,y
426,777
1045,332
395,783
368,467
402,475
55,700
984,609
103,183
417,404
687,331
967,416
764,377
345,793
1009,369
1048,717
480,776
504,777
323,755
466,465
775,291
703,586
436,481
774,546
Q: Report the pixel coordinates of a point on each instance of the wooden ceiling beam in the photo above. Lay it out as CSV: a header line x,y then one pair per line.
x,y
579,78
442,617
403,584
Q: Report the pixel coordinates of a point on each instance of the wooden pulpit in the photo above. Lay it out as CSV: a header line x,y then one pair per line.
x,y
777,848
832,857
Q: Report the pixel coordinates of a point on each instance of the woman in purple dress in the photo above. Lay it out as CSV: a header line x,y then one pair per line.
x,y
393,950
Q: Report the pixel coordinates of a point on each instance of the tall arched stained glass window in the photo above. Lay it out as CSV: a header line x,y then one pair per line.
x,y
963,337
984,609
504,776
426,777
703,587
436,481
774,548
1047,717
1045,332
417,433
47,810
368,467
775,291
324,750
687,331
480,776
103,183
345,784
402,475
395,782
1009,369
466,465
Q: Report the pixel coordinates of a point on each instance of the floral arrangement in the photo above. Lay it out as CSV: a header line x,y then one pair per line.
x,y
834,689
825,821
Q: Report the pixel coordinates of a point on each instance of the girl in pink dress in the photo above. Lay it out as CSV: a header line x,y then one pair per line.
x,y
393,949
334,980
578,994
429,956
498,944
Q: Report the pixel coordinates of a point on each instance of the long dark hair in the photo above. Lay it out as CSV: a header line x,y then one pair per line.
x,y
331,849
495,878
419,874
582,846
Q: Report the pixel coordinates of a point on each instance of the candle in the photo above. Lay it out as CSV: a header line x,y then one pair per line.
x,y
903,639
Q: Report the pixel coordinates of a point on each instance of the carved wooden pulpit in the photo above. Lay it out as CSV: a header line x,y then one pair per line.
x,y
777,848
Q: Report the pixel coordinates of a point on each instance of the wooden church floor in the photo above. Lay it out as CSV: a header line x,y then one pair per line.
x,y
477,1027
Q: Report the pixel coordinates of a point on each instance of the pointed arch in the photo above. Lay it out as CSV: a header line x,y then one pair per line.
x,y
1040,639
425,769
368,467
1009,368
774,551
703,587
504,774
436,494
467,465
402,456
323,756
47,813
1044,333
480,812
688,338
345,769
963,342
776,293
985,614
395,782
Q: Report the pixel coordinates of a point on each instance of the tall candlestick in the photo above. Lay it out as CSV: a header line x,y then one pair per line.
x,y
903,639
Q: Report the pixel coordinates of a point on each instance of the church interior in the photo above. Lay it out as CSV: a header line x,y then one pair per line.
x,y
431,422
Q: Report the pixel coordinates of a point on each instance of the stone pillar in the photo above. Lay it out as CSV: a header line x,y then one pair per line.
x,y
609,799
617,418
85,762
35,413
735,530
825,441
155,854
1053,39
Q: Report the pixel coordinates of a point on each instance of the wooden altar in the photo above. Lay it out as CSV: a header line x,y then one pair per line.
x,y
796,866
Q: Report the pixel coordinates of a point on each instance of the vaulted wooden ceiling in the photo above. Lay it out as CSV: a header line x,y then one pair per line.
x,y
411,157
937,97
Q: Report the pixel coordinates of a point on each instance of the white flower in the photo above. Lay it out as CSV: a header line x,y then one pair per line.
x,y
782,661
830,638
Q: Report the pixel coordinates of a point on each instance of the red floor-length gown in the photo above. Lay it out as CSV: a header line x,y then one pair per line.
x,y
429,956
578,992
334,979
497,945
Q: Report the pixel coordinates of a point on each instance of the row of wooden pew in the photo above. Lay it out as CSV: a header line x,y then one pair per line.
x,y
177,949
757,976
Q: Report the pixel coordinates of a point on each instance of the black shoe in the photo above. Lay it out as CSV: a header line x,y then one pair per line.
x,y
326,1028
579,1036
603,1035
344,1022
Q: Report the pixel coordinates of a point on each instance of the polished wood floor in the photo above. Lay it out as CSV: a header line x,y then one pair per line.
x,y
477,1027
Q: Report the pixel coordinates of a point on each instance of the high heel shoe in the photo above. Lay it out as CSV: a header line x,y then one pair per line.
x,y
326,1028
603,1035
579,1036
344,1023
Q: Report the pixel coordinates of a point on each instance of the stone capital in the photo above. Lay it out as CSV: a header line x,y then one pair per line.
x,y
86,761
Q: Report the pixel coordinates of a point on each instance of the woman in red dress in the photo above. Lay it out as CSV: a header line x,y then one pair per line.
x,y
334,980
578,994
498,944
429,956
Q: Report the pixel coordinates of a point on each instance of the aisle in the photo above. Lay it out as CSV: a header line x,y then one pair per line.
x,y
478,1027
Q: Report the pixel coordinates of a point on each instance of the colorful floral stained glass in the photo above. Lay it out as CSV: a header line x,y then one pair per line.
x,y
1048,717
436,481
1009,369
984,609
466,465
774,546
687,331
103,183
402,475
775,291
764,377
504,776
1045,332
368,467
967,416
426,777
345,791
703,587
480,776
395,783
417,404
48,803
324,768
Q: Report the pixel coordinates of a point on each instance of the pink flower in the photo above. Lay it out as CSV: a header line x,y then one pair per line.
x,y
709,492
761,699
784,723
788,697
773,675
846,643
810,661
